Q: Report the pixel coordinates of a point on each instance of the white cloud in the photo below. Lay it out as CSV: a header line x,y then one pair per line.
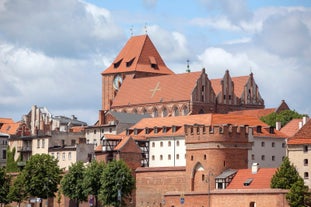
x,y
171,45
217,60
30,78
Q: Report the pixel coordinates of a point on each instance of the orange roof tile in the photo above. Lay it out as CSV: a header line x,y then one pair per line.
x,y
260,180
166,88
138,54
254,112
303,136
180,121
10,128
265,132
291,127
6,120
77,129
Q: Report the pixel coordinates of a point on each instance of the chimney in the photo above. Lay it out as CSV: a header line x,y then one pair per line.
x,y
304,120
300,125
255,168
278,125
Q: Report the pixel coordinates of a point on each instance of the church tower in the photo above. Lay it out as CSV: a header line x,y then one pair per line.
x,y
138,58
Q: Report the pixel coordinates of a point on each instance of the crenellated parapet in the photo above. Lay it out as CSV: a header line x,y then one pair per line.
x,y
198,133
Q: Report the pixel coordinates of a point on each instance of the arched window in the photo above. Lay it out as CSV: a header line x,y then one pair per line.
x,y
306,175
134,111
164,112
155,112
144,111
175,111
185,110
252,204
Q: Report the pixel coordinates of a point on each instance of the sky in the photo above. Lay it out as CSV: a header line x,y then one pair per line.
x,y
52,52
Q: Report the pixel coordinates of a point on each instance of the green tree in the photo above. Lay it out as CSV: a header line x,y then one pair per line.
x,y
18,191
298,195
284,117
42,176
4,186
92,175
117,182
285,176
72,183
11,164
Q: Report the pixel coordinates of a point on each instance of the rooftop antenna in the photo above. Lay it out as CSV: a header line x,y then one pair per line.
x,y
145,28
188,67
131,30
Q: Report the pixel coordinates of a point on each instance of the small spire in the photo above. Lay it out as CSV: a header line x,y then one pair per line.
x,y
146,32
188,66
131,30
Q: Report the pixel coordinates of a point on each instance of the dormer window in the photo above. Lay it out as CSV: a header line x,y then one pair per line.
x,y
117,64
146,130
130,62
153,62
155,130
164,129
173,129
258,129
135,131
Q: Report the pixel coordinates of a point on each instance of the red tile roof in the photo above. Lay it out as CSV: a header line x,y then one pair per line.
x,y
291,127
254,112
260,180
166,88
6,120
180,121
303,136
138,54
265,132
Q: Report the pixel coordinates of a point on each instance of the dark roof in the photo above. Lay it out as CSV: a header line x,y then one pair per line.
x,y
127,117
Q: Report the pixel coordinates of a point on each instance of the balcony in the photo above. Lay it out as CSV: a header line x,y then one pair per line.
x,y
24,149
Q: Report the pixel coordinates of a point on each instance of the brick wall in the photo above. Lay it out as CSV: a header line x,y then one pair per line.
x,y
153,183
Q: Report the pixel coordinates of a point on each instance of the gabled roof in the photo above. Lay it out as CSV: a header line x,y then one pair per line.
x,y
291,128
138,54
166,88
303,136
6,120
260,180
10,128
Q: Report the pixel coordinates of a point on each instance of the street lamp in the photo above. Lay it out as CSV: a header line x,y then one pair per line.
x,y
210,173
119,184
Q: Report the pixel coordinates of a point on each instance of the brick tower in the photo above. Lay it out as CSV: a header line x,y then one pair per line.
x,y
210,150
138,58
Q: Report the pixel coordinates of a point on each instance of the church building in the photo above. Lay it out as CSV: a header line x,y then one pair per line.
x,y
138,81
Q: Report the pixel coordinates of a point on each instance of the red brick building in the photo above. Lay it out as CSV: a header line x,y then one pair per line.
x,y
138,81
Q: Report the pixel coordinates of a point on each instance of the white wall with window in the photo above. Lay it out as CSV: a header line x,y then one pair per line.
x,y
267,151
167,152
300,156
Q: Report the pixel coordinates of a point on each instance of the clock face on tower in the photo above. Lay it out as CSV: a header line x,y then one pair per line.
x,y
117,81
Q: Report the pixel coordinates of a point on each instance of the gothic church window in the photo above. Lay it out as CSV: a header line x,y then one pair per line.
x,y
155,112
164,112
175,111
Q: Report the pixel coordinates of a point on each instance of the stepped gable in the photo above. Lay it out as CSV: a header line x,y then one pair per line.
x,y
167,88
303,136
239,83
138,54
245,179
